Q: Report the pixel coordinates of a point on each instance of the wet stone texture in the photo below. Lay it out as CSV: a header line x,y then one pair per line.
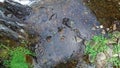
x,y
63,25
12,25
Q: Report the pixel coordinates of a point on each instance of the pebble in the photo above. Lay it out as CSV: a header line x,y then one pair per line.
x,y
103,32
118,3
93,28
78,39
109,52
116,55
86,12
97,27
101,60
100,56
101,26
107,29
21,30
9,15
114,27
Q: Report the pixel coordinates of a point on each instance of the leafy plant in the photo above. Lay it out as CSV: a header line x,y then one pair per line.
x,y
17,57
116,50
115,59
98,45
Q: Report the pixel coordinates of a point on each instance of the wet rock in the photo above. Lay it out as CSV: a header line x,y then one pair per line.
x,y
58,42
103,31
93,28
7,32
101,26
79,39
19,10
109,52
117,25
55,44
114,27
12,27
100,60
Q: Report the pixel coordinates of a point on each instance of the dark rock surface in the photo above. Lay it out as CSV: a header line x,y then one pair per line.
x,y
59,24
12,25
20,11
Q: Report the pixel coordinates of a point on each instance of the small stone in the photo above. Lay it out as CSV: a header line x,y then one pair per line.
x,y
20,36
118,3
9,15
100,56
115,55
93,28
114,27
21,30
78,39
103,32
101,26
100,60
107,29
86,12
119,55
109,52
97,27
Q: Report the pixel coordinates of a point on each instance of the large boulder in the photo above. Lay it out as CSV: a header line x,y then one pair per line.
x,y
63,26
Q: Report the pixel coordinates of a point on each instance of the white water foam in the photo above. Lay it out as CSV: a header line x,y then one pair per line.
x,y
23,2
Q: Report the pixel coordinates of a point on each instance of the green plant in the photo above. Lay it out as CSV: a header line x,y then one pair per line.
x,y
116,49
115,59
99,44
17,57
95,46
